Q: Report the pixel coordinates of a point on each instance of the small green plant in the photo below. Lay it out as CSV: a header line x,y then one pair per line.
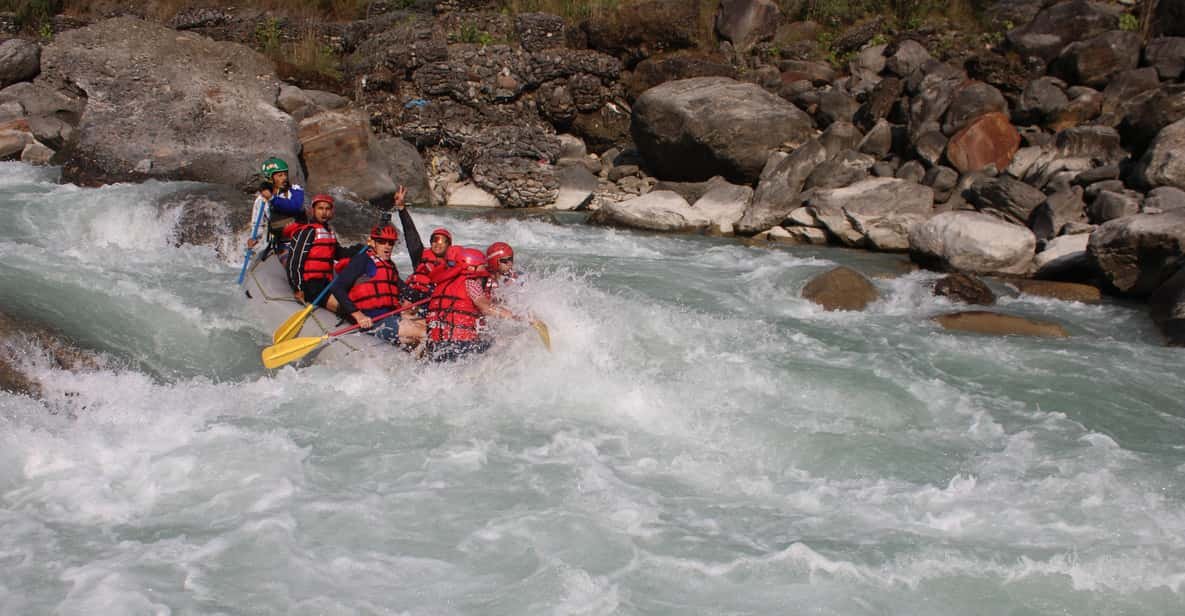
x,y
880,39
45,32
470,33
1129,22
268,35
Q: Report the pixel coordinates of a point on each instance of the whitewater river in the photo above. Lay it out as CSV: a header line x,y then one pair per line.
x,y
700,440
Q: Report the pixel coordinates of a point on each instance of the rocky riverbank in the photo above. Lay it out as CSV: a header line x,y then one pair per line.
x,y
1049,147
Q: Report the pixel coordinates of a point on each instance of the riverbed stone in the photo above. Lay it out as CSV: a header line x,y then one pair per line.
x,y
972,242
1110,205
1006,197
875,213
1061,24
659,210
1062,255
1167,308
1166,55
20,60
723,204
989,139
779,187
1164,162
1065,291
842,288
965,288
996,324
1094,61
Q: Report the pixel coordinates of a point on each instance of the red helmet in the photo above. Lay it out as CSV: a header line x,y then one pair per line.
x,y
385,232
453,253
322,197
472,257
441,231
498,250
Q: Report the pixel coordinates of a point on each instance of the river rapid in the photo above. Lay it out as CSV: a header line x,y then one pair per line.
x,y
700,440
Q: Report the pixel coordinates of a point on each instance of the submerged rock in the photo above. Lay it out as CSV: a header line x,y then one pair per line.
x,y
1067,291
995,324
842,288
964,288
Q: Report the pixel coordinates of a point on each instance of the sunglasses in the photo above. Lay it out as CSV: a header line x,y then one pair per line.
x,y
506,260
387,242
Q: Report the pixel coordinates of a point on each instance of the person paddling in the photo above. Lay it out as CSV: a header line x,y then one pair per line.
x,y
283,202
315,250
369,285
500,262
459,301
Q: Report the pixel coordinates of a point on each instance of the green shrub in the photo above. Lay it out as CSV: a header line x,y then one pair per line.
x,y
31,15
1129,23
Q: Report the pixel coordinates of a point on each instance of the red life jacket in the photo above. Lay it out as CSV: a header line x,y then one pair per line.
x,y
419,279
318,263
378,291
452,315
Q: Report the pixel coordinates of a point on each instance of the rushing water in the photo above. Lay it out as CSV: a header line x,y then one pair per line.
x,y
700,440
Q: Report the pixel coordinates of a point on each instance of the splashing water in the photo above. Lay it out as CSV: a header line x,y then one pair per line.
x,y
700,441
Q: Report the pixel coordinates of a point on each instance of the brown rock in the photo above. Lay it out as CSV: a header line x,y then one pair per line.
x,y
1067,291
964,288
841,289
992,323
988,139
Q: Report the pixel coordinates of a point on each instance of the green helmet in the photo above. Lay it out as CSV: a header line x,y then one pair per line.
x,y
271,166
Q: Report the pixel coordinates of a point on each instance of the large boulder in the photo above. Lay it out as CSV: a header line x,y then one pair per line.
x,y
659,210
778,191
842,288
52,113
746,22
1062,256
875,213
970,101
1061,24
20,60
342,155
1006,197
169,105
693,129
1164,162
989,139
996,324
577,187
1094,61
1167,56
972,242
1136,254
1167,308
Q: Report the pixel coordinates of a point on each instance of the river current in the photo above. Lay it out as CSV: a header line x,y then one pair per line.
x,y
700,439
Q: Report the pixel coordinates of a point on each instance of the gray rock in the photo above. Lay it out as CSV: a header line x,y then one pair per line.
x,y
1164,162
932,96
842,170
964,288
622,171
539,31
1096,188
880,102
930,146
1056,212
942,180
1166,306
875,213
1101,143
1041,100
723,204
51,113
883,169
907,57
36,153
577,186
217,123
1167,56
818,73
693,129
1092,62
20,60
1111,205
1005,197
1136,254
747,22
777,191
1098,174
972,242
1063,254
912,171
840,136
1060,24
969,102
879,140
835,106
659,210
571,147
1163,199
1126,91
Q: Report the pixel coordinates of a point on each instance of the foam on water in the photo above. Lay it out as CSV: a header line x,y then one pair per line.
x,y
700,440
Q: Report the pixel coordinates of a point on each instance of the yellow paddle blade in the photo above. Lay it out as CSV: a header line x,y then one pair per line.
x,y
290,350
292,325
544,335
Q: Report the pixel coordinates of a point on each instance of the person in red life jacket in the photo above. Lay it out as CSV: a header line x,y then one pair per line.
x,y
500,262
314,251
369,285
459,301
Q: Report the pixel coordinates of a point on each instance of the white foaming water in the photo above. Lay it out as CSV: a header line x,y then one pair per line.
x,y
700,440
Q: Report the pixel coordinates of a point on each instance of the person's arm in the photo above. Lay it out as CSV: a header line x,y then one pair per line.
x,y
411,237
485,305
290,203
346,279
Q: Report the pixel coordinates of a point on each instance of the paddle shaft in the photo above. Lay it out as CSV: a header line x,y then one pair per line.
x,y
375,320
254,236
